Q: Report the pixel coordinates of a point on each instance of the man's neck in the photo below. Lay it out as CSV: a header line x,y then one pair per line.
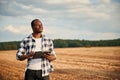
x,y
37,35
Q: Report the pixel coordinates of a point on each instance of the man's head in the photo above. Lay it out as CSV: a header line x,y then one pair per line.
x,y
37,26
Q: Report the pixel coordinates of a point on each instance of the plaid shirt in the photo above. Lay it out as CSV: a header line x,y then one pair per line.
x,y
28,44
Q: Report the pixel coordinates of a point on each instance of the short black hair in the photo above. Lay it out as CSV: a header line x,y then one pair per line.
x,y
32,23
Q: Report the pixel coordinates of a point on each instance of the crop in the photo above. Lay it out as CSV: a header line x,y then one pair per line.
x,y
94,63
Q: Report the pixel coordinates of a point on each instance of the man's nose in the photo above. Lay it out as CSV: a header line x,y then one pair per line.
x,y
40,26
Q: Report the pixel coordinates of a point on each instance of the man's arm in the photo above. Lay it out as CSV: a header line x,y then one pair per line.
x,y
21,53
23,57
52,55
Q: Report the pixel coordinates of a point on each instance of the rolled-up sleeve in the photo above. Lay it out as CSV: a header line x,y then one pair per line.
x,y
21,50
52,48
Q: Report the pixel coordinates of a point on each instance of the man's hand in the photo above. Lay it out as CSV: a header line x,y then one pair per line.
x,y
30,55
50,57
23,57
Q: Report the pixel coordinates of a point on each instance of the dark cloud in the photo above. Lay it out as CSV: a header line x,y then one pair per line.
x,y
12,8
41,4
116,1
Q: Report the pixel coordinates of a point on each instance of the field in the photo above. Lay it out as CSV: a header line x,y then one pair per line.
x,y
94,63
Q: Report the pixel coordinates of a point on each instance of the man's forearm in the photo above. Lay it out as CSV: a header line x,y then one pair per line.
x,y
23,57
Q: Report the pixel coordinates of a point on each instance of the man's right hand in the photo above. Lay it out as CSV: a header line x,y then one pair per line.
x,y
30,54
23,57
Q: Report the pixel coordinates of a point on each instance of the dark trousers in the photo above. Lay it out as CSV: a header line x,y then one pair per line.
x,y
35,75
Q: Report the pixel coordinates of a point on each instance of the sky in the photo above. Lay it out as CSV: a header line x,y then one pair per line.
x,y
62,19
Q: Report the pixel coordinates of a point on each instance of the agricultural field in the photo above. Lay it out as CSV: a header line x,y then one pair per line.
x,y
93,63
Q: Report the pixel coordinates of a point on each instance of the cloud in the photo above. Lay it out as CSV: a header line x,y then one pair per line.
x,y
57,8
31,9
90,12
14,8
67,1
10,8
77,9
107,35
83,19
39,10
17,30
58,33
89,35
106,1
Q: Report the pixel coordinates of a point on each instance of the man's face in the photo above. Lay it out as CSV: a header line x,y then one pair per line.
x,y
38,27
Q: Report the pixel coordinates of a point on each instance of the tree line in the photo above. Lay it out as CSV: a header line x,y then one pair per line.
x,y
62,43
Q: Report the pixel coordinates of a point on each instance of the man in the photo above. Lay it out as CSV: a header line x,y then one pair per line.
x,y
39,52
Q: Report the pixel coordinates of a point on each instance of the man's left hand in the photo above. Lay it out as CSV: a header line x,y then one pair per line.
x,y
50,57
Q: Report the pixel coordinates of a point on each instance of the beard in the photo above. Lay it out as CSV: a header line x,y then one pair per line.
x,y
37,32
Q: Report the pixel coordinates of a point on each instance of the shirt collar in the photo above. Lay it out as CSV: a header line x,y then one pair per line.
x,y
31,36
